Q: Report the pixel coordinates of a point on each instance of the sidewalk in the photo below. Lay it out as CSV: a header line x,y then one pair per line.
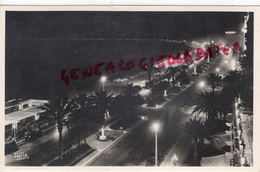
x,y
181,149
248,149
113,136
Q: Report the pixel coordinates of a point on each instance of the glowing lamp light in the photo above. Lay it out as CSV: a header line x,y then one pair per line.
x,y
103,79
201,84
156,127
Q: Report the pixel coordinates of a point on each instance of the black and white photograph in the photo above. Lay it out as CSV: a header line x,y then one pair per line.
x,y
129,88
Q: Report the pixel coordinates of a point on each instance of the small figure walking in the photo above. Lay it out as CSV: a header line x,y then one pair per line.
x,y
174,160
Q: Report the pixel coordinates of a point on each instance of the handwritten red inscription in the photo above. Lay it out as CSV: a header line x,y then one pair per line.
x,y
143,63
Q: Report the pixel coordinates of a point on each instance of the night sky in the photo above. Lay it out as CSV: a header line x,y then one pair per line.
x,y
39,45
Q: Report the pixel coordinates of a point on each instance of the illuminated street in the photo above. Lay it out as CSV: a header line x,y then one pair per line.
x,y
141,91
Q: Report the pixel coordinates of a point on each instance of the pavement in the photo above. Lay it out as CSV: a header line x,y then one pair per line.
x,y
248,138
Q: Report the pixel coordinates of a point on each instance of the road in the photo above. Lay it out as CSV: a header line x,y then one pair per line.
x,y
135,148
40,150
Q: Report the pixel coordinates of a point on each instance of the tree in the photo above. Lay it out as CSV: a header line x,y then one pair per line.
x,y
233,82
226,102
207,103
172,73
214,80
81,101
81,120
58,109
127,101
129,89
195,131
101,104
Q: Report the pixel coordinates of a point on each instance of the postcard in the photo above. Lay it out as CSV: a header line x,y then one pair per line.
x,y
141,88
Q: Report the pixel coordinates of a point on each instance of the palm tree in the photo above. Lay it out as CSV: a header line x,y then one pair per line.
x,y
233,82
81,101
131,90
129,99
214,80
100,103
207,103
172,73
81,120
58,109
195,130
183,68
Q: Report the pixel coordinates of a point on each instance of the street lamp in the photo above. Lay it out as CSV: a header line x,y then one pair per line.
x,y
103,80
156,128
14,126
195,66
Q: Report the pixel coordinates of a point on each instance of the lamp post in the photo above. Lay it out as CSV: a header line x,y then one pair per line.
x,y
14,126
103,80
156,128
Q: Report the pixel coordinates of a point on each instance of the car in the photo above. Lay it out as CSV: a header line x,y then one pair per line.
x,y
33,134
151,159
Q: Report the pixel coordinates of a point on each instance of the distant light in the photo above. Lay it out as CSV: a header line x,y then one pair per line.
x,y
201,84
217,69
103,78
230,32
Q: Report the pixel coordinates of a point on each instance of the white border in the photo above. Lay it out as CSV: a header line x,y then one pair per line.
x,y
129,2
256,142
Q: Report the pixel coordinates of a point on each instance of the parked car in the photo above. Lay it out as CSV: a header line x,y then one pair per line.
x,y
151,159
33,134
